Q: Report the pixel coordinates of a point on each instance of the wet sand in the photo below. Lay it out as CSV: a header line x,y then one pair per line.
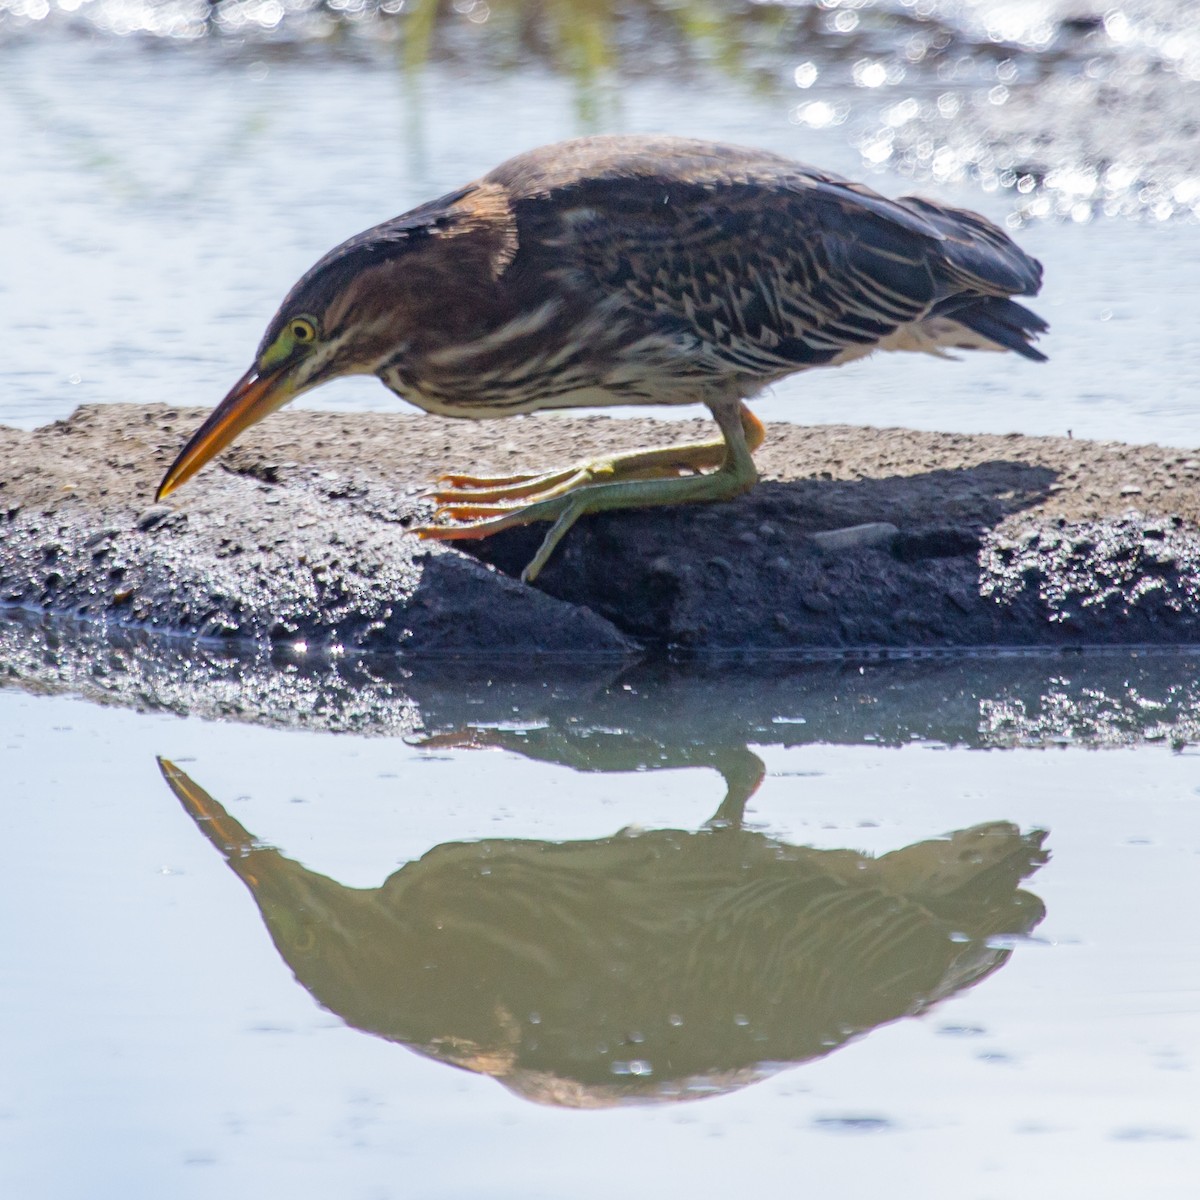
x,y
301,534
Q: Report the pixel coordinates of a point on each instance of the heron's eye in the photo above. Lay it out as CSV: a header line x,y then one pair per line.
x,y
303,330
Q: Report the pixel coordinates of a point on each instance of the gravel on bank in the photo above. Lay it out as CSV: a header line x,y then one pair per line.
x,y
857,538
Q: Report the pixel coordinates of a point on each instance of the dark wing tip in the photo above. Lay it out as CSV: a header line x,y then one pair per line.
x,y
980,252
1004,322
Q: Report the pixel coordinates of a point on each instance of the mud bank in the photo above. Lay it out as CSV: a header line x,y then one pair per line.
x,y
857,538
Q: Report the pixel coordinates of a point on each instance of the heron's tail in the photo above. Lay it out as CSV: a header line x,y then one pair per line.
x,y
1006,324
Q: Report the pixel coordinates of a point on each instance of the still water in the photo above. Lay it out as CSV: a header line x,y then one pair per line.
x,y
915,934
907,929
157,203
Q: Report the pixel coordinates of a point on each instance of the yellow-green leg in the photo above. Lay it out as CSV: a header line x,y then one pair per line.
x,y
734,475
634,464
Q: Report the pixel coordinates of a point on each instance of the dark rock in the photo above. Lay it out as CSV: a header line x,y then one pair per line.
x,y
154,516
872,535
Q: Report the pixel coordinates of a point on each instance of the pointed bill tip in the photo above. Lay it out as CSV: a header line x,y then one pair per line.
x,y
253,397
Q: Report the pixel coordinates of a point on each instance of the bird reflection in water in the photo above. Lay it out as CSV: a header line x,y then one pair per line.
x,y
647,966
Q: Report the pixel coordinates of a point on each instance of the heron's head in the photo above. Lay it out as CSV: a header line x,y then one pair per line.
x,y
342,318
353,313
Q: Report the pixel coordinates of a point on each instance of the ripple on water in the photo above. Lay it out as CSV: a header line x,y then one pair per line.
x,y
853,1123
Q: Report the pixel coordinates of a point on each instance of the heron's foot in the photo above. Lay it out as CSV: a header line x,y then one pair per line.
x,y
454,490
564,509
633,480
634,464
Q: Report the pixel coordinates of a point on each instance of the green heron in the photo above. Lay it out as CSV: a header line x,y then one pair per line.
x,y
628,270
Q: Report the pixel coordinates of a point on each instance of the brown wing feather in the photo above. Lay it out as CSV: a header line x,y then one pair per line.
x,y
769,278
770,265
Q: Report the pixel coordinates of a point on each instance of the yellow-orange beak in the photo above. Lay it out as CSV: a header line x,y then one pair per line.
x,y
253,397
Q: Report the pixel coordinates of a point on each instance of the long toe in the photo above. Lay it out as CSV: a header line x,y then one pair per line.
x,y
470,530
532,487
474,512
485,481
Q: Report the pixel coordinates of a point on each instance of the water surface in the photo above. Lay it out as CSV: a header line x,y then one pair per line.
x,y
160,199
606,936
